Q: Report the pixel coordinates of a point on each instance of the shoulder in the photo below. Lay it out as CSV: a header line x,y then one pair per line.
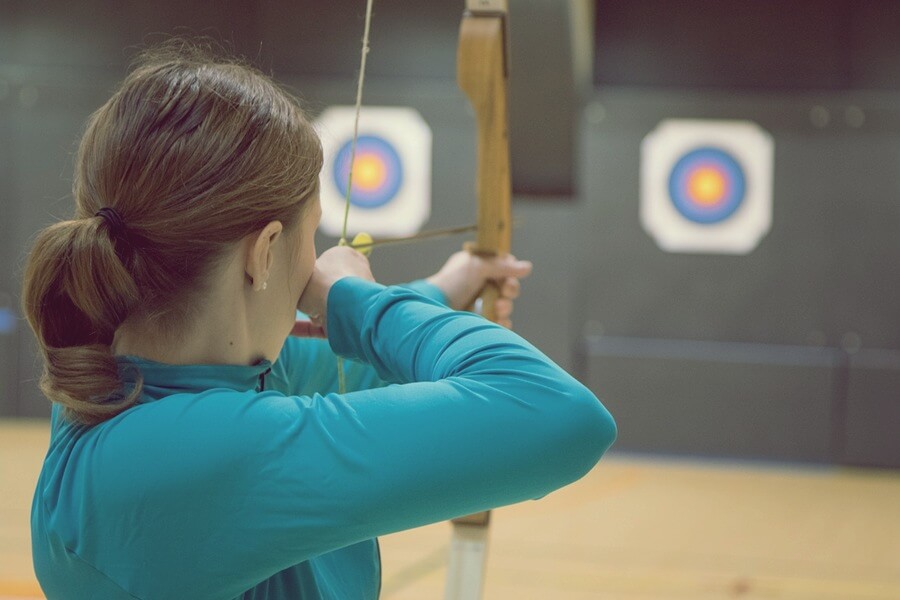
x,y
200,426
205,443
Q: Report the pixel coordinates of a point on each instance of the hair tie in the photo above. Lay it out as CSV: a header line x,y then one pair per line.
x,y
114,220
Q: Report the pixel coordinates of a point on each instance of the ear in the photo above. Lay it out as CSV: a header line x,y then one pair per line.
x,y
259,254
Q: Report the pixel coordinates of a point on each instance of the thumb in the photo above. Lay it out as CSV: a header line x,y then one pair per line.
x,y
507,266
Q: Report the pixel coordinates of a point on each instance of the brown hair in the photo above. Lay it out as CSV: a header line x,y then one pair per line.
x,y
193,151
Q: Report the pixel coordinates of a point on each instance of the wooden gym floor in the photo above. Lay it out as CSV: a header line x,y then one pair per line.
x,y
634,528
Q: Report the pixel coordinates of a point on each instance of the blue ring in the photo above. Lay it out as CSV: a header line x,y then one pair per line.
x,y
707,157
369,199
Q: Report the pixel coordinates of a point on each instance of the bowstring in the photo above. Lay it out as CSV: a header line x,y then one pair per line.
x,y
342,381
359,90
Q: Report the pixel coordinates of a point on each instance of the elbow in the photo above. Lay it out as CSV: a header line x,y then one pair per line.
x,y
606,424
584,430
600,427
593,431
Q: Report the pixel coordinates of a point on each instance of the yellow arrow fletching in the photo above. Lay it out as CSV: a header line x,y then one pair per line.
x,y
363,243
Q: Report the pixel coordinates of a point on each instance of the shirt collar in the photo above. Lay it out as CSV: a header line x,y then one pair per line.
x,y
162,379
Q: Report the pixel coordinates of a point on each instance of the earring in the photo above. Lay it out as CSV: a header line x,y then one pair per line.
x,y
265,285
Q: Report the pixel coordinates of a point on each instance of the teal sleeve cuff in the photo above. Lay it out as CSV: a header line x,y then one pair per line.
x,y
371,323
348,301
428,290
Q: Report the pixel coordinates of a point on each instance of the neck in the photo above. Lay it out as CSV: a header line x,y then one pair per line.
x,y
218,335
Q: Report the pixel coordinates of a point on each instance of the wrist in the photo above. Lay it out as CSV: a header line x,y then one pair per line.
x,y
441,284
314,300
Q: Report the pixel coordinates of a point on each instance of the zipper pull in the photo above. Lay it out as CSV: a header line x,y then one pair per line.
x,y
262,380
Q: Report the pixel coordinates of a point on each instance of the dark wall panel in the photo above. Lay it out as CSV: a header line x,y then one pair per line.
x,y
99,34
872,432
716,43
864,237
322,40
874,45
733,44
678,396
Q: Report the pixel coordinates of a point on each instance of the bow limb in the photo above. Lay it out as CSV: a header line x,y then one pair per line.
x,y
482,67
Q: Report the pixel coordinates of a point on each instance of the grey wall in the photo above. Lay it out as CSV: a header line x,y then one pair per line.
x,y
788,352
792,351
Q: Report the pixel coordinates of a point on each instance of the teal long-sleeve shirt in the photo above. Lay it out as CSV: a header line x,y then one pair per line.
x,y
261,482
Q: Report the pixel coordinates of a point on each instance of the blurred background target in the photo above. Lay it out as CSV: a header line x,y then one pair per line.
x,y
392,173
706,185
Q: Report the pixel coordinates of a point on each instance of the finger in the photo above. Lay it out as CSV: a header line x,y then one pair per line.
x,y
510,288
503,308
308,329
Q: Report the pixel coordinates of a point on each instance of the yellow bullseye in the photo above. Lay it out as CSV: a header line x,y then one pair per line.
x,y
706,186
369,172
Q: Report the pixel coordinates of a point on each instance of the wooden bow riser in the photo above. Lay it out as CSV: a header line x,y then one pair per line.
x,y
482,73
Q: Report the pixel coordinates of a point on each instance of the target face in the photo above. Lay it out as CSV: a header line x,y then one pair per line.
x,y
391,184
706,186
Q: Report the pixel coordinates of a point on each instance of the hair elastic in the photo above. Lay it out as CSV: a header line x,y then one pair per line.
x,y
114,220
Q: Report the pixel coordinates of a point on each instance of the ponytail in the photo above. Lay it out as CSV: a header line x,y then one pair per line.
x,y
76,294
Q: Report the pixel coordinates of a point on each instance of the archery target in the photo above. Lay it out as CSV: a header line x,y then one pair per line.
x,y
706,186
391,190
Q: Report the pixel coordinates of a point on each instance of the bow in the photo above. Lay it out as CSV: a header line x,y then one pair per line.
x,y
482,70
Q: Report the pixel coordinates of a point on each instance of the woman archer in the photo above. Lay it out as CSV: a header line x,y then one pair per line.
x,y
197,451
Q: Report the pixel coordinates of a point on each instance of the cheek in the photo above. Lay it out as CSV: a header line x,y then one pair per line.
x,y
306,263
